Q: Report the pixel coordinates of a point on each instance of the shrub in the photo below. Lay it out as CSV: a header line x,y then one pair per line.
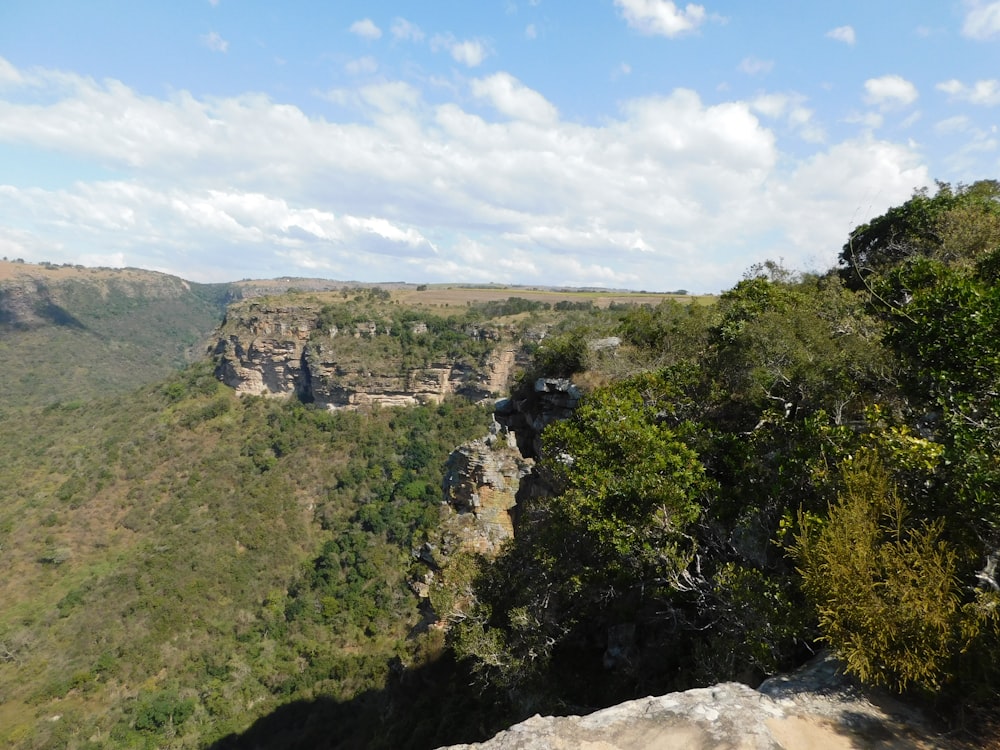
x,y
886,590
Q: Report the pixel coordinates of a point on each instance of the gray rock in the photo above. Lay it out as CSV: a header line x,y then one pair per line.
x,y
816,708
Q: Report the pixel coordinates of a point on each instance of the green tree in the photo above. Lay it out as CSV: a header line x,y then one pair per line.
x,y
954,225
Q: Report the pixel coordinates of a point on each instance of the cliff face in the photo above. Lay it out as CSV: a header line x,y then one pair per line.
x,y
482,488
291,350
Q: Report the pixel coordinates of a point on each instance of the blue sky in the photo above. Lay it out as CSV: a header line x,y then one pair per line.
x,y
643,144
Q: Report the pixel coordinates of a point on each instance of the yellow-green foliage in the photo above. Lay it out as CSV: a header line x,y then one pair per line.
x,y
886,591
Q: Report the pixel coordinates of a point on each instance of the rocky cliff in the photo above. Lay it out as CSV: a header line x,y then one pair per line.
x,y
481,488
296,349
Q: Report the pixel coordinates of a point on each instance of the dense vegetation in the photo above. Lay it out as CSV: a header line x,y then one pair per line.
x,y
813,461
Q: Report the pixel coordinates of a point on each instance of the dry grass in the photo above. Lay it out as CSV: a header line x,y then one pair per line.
x,y
11,271
453,295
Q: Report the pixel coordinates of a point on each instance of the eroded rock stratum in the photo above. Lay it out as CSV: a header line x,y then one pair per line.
x,y
294,350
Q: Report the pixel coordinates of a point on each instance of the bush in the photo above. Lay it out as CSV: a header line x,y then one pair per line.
x,y
161,709
886,591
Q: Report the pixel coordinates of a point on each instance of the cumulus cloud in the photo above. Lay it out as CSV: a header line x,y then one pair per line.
x,y
366,29
985,92
469,52
846,185
791,109
214,42
661,17
771,105
890,91
668,192
843,34
512,98
982,21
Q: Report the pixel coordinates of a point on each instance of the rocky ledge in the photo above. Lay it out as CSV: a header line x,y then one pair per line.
x,y
817,707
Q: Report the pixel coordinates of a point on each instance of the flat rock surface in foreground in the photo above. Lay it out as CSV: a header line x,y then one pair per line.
x,y
813,709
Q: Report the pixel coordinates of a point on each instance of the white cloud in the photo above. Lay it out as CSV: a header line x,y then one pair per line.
x,y
214,42
530,32
668,192
985,92
9,75
754,66
512,98
661,17
404,30
801,121
790,108
890,91
771,105
981,147
470,52
392,97
366,29
834,190
843,34
982,20
910,120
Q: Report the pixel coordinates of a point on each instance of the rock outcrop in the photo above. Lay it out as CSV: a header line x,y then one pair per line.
x,y
284,350
528,413
481,486
817,708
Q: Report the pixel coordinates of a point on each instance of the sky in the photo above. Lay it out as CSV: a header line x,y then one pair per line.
x,y
639,144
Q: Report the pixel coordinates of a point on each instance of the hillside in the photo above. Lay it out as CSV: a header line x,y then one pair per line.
x,y
69,333
72,333
182,560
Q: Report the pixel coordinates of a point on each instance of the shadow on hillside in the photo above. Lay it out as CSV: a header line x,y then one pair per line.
x,y
19,316
58,316
418,709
